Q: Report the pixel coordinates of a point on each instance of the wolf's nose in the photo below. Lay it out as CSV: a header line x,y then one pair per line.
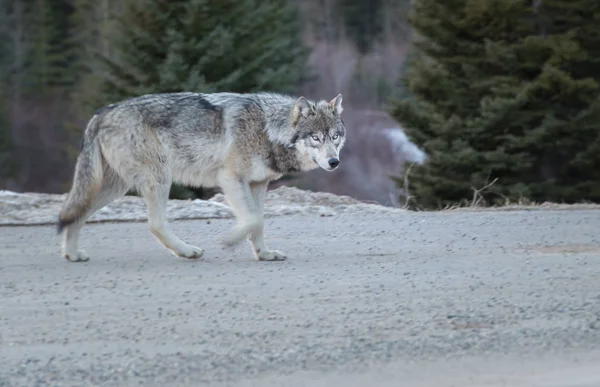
x,y
333,162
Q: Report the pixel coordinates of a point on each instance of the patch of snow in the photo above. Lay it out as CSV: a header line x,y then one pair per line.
x,y
38,208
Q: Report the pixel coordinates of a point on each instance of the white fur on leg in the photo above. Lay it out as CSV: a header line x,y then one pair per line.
x,y
189,251
257,239
241,231
174,244
69,245
270,255
112,188
156,201
78,256
261,252
247,202
240,199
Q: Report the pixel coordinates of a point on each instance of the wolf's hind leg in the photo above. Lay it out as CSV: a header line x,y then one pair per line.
x,y
112,188
156,196
261,252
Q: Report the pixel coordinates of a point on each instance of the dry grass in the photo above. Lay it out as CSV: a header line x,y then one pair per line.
x,y
478,203
525,205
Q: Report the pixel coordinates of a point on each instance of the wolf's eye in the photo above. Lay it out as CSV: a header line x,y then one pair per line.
x,y
334,137
316,138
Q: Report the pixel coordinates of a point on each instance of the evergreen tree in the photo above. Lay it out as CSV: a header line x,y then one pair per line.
x,y
204,46
366,22
6,167
571,80
500,94
5,51
362,21
50,50
90,21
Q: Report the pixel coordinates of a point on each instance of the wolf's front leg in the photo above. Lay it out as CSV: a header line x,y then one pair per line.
x,y
240,196
262,253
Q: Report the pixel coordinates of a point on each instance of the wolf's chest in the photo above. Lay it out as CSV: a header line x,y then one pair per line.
x,y
260,170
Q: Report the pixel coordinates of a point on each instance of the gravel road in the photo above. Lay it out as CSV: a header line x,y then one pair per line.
x,y
410,299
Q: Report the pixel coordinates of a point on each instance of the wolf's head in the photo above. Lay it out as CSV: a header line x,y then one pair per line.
x,y
319,132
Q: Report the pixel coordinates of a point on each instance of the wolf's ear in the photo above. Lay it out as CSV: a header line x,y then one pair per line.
x,y
303,108
336,104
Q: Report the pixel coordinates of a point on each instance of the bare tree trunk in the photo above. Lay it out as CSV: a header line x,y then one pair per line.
x,y
16,32
104,11
18,55
537,4
18,49
330,22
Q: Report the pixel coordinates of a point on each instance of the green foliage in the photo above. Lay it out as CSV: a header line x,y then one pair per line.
x,y
84,34
205,45
371,84
5,49
363,21
91,21
502,89
50,53
164,46
6,163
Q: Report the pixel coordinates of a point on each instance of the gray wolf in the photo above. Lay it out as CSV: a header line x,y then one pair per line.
x,y
232,141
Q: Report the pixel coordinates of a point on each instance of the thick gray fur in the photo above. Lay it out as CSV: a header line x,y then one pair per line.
x,y
238,142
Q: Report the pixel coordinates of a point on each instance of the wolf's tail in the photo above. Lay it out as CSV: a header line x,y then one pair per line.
x,y
87,180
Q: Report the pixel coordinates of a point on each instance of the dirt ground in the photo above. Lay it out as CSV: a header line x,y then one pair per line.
x,y
391,299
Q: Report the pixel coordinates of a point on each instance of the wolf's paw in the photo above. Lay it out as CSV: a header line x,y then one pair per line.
x,y
232,239
241,231
235,236
80,256
191,252
270,255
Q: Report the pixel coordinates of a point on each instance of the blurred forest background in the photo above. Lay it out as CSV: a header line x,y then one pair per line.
x,y
446,101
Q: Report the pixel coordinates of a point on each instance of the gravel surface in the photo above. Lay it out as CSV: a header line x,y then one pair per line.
x,y
381,299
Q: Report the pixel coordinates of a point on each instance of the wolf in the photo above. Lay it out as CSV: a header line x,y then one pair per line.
x,y
238,142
